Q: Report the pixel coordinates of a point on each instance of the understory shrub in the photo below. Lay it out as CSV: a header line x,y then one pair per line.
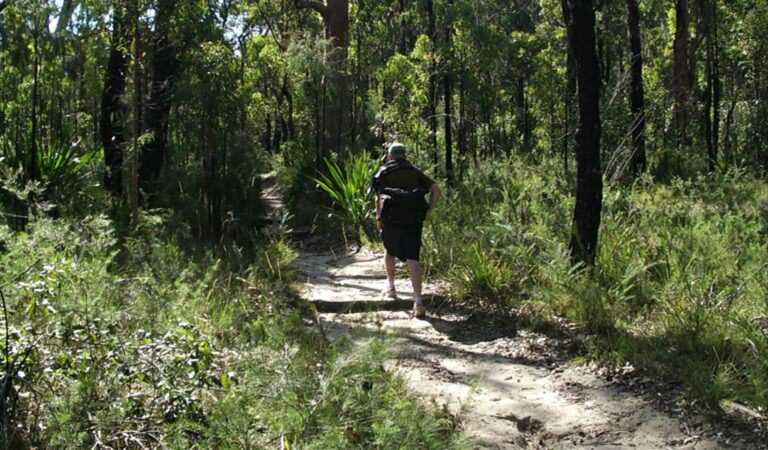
x,y
141,342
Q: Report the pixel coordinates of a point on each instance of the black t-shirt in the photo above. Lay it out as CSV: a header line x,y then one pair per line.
x,y
401,174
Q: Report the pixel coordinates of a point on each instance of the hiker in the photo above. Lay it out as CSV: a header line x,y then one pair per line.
x,y
400,213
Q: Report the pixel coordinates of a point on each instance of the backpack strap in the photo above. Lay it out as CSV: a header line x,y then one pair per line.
x,y
389,167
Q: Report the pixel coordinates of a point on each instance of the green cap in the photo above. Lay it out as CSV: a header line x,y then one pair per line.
x,y
397,149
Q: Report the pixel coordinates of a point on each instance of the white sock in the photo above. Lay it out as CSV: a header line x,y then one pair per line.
x,y
391,285
418,301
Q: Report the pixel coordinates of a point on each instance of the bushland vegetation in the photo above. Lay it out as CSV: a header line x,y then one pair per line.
x,y
602,161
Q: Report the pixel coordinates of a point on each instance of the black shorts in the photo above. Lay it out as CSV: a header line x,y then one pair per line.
x,y
402,242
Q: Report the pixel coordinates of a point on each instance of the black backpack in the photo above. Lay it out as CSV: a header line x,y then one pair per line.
x,y
403,206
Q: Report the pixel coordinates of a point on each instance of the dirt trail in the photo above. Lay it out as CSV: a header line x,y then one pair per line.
x,y
511,389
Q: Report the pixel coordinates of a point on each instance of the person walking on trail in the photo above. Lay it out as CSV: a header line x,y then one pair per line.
x,y
400,213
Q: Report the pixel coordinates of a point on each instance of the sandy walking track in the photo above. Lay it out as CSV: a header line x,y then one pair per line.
x,y
511,389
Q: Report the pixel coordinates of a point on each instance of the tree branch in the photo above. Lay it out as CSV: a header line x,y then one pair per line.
x,y
67,8
313,4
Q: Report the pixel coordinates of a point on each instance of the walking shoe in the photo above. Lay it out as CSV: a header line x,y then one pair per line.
x,y
389,293
419,311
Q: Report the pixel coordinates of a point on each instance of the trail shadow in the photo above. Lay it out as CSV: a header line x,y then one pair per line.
x,y
372,305
377,277
420,348
472,329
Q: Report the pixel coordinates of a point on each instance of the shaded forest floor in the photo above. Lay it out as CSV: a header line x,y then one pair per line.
x,y
508,387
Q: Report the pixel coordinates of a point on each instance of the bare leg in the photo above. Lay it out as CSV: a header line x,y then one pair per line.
x,y
389,265
415,269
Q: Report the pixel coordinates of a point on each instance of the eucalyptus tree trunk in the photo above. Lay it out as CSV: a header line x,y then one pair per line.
x,y
589,183
636,95
111,126
336,104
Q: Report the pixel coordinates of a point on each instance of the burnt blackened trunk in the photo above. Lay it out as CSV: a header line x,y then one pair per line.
x,y
636,95
112,123
164,71
589,183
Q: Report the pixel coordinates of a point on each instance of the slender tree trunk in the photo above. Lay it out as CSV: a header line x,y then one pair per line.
x,y
570,88
354,133
589,183
447,95
682,80
432,120
712,91
243,44
112,124
716,85
523,125
636,96
289,99
461,141
33,169
164,71
711,155
728,144
318,103
137,89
